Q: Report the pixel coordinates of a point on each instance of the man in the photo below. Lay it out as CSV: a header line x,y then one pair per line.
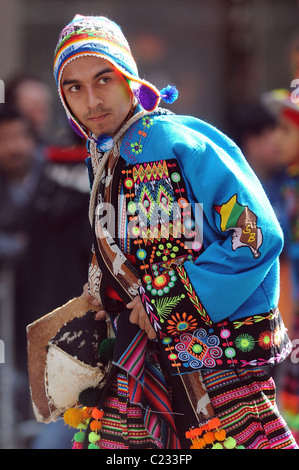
x,y
194,312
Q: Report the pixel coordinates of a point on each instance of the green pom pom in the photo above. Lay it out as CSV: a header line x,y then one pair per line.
x,y
106,348
90,397
93,437
93,446
217,446
229,443
79,437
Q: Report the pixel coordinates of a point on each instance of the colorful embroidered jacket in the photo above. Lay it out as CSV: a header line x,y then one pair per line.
x,y
206,242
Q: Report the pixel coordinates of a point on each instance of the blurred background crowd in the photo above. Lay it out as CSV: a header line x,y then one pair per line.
x,y
223,56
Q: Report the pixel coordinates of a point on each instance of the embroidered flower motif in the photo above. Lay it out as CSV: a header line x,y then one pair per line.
x,y
265,340
147,121
136,147
167,251
245,342
179,323
162,284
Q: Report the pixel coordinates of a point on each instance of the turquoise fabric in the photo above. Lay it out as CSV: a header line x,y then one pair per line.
x,y
231,283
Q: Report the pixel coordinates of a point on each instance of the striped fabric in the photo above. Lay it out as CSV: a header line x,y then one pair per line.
x,y
123,423
146,384
244,401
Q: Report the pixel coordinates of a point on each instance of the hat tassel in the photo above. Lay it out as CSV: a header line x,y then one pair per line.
x,y
169,94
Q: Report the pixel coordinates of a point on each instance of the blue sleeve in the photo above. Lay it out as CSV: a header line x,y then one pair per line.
x,y
242,238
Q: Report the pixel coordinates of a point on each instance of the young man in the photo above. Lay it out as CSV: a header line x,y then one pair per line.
x,y
184,261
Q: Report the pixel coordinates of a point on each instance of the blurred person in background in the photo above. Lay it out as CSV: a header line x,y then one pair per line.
x,y
31,96
20,176
286,110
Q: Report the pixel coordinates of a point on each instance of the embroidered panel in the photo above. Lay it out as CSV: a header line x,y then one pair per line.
x,y
161,223
163,235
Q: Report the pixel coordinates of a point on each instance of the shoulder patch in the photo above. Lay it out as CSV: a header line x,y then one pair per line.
x,y
243,222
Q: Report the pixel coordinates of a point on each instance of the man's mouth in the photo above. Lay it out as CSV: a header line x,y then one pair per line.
x,y
99,117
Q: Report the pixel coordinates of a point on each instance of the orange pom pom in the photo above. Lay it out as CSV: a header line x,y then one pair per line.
x,y
220,434
209,437
86,412
97,414
214,423
95,425
73,417
198,444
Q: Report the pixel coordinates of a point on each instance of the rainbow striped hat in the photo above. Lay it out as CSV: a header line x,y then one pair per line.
x,y
98,36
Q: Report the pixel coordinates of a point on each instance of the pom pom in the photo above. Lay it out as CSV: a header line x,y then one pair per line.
x,y
77,445
93,446
86,412
79,437
209,437
106,348
104,143
93,437
73,417
230,443
97,414
169,94
90,397
217,446
198,444
220,434
96,425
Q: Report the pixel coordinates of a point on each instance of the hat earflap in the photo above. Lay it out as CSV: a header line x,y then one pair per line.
x,y
149,97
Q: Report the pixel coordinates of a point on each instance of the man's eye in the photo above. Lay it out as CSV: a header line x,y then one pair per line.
x,y
75,88
104,80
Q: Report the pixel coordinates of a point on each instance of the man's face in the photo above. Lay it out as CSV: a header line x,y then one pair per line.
x,y
16,149
97,94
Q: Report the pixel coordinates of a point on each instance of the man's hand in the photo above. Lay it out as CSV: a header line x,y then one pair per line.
x,y
101,314
139,317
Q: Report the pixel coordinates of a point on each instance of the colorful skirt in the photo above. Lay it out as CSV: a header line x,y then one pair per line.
x,y
244,401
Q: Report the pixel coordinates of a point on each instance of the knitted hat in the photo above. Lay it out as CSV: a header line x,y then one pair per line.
x,y
100,37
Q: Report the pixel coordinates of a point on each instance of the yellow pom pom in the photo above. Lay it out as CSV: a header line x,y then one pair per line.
x,y
73,417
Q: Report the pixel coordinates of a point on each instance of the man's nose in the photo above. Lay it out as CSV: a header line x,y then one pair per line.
x,y
94,99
